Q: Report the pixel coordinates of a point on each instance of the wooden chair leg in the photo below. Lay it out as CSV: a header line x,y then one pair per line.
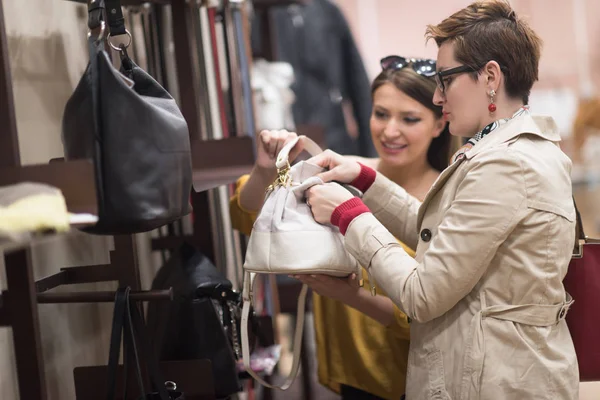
x,y
21,307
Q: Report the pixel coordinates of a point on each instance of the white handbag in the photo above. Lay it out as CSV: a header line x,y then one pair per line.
x,y
286,239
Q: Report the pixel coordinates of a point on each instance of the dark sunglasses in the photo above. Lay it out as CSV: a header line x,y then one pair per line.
x,y
421,66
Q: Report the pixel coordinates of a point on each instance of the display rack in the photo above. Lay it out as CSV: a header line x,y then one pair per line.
x,y
19,302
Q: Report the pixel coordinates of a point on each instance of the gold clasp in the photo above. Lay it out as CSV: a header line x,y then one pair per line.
x,y
284,178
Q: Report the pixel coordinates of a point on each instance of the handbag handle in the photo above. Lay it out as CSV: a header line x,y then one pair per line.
x,y
580,237
247,295
309,146
115,340
114,14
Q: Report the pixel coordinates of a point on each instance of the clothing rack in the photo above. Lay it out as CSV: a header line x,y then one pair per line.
x,y
215,163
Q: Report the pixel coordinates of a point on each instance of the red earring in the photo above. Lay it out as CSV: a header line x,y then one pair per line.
x,y
492,106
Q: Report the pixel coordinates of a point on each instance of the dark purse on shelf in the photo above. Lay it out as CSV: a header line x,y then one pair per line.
x,y
128,325
132,129
203,320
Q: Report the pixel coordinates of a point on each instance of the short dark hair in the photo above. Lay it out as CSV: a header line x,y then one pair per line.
x,y
421,89
490,30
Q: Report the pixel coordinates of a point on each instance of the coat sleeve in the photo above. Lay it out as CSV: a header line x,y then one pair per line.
x,y
489,203
241,219
394,208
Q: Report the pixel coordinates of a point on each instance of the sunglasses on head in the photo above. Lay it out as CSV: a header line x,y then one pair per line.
x,y
422,66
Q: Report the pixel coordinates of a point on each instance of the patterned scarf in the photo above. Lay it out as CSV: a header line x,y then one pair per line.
x,y
486,131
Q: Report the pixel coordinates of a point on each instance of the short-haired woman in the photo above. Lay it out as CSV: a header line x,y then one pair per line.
x,y
494,236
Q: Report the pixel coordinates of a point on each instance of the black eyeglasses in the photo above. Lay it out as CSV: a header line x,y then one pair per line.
x,y
440,76
422,66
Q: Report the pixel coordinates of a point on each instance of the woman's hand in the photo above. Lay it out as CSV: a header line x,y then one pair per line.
x,y
341,289
323,199
269,144
341,169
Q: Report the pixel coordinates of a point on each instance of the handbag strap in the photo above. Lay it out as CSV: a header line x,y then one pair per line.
x,y
114,14
115,340
130,350
579,233
138,329
116,21
309,146
247,292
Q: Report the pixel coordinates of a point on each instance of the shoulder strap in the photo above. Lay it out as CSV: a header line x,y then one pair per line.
x,y
247,292
115,340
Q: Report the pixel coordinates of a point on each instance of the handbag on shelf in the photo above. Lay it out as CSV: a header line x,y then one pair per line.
x,y
132,130
285,239
582,282
202,321
128,325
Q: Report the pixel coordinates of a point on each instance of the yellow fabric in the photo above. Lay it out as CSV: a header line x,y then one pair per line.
x,y
352,348
34,213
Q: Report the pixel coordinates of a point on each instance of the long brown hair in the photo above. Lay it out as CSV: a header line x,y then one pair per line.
x,y
421,89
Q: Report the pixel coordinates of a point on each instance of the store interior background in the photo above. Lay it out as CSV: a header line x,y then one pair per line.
x,y
48,55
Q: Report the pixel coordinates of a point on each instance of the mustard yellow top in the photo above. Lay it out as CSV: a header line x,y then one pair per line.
x,y
352,348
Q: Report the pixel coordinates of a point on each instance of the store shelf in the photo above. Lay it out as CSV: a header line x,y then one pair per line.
x,y
262,4
129,2
75,179
220,162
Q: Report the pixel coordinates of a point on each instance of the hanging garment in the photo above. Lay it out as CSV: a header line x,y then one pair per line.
x,y
273,96
316,40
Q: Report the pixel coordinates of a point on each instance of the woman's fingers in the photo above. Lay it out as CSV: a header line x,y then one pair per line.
x,y
297,148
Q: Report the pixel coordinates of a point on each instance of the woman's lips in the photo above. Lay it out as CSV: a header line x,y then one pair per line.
x,y
393,148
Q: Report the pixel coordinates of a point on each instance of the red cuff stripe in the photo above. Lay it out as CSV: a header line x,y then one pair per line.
x,y
345,213
365,179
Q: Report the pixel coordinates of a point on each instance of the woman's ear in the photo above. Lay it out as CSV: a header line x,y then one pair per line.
x,y
492,75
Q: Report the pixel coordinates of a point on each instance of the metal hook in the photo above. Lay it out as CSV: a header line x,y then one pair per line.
x,y
122,46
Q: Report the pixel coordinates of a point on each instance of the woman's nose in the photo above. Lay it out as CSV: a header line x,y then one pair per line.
x,y
438,97
392,130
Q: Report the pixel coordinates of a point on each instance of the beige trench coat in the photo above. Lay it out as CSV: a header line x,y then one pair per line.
x,y
494,238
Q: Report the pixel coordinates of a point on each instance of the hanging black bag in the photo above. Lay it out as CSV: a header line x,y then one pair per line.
x,y
132,129
202,321
128,325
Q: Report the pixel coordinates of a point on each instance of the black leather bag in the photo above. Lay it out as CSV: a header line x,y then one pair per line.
x,y
128,324
132,129
203,320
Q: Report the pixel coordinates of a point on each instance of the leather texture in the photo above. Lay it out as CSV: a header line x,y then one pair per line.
x,y
286,239
132,129
127,323
583,283
199,322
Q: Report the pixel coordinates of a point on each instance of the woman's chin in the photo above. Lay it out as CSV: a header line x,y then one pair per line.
x,y
394,160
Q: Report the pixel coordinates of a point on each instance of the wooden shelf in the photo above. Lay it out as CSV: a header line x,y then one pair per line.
x,y
220,162
75,179
129,2
262,4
